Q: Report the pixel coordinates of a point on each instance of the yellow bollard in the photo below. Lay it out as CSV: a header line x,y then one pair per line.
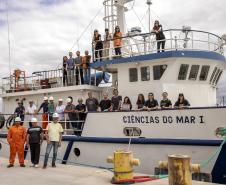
x,y
123,165
179,169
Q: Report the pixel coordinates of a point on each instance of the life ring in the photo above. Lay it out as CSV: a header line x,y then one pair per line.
x,y
2,121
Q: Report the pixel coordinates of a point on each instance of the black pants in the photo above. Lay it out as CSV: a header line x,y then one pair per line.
x,y
118,51
65,80
159,43
35,152
98,54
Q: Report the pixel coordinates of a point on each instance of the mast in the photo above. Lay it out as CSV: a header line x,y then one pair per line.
x,y
149,3
9,50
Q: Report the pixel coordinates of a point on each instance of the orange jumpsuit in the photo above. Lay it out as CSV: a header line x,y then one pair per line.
x,y
16,138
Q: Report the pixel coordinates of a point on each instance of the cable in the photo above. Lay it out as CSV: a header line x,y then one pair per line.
x,y
161,19
139,19
7,20
84,31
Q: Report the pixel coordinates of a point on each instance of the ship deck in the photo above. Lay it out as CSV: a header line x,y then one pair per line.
x,y
63,174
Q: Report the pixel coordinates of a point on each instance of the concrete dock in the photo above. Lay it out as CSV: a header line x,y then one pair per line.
x,y
63,174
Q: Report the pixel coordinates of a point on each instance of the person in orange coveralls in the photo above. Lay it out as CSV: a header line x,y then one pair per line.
x,y
16,138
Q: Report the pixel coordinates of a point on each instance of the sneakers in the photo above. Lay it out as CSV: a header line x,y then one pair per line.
x,y
53,166
10,166
22,165
36,166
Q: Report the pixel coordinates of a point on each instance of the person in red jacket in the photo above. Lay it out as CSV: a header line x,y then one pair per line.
x,y
16,138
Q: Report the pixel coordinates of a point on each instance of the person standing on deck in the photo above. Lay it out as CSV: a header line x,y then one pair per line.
x,y
86,67
16,138
117,40
60,109
30,111
78,69
91,103
116,101
70,69
64,70
106,44
54,138
34,141
20,111
97,45
80,110
165,103
105,104
160,37
44,107
51,108
151,103
70,111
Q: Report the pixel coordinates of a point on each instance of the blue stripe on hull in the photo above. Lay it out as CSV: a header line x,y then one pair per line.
x,y
154,141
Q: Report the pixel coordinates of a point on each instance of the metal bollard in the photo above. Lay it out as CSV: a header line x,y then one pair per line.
x,y
123,165
179,169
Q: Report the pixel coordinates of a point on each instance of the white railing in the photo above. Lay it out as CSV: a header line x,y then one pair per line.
x,y
176,39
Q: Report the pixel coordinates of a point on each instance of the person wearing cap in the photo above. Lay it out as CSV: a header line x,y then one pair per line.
x,y
60,109
54,138
44,107
165,103
80,110
151,103
34,141
181,103
30,111
70,111
20,111
51,108
106,44
16,138
117,40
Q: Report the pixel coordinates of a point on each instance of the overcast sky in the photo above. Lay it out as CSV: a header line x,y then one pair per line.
x,y
42,31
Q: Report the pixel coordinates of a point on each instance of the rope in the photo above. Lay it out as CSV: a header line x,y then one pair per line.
x,y
139,19
216,152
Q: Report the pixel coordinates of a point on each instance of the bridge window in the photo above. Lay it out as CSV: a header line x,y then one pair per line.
x,y
145,73
218,78
133,77
194,72
204,72
158,71
183,72
213,74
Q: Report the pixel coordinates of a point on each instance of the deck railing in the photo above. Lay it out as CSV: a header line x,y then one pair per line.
x,y
175,39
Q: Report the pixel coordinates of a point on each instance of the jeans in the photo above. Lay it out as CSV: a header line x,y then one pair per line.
x,y
35,152
70,75
55,146
86,74
159,43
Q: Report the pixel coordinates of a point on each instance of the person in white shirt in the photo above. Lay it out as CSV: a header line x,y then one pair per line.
x,y
60,109
53,138
31,111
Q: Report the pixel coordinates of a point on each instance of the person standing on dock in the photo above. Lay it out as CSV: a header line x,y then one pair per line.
x,y
44,106
53,137
34,141
16,138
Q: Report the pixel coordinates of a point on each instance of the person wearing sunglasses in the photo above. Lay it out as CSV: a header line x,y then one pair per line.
x,y
160,37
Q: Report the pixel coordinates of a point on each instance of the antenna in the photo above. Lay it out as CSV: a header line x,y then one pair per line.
x,y
149,3
7,18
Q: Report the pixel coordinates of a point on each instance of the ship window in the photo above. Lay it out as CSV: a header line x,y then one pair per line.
x,y
132,131
133,75
214,71
145,73
183,72
194,72
218,78
204,72
158,71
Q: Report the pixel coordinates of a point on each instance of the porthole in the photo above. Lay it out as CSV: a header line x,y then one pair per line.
x,y
77,152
